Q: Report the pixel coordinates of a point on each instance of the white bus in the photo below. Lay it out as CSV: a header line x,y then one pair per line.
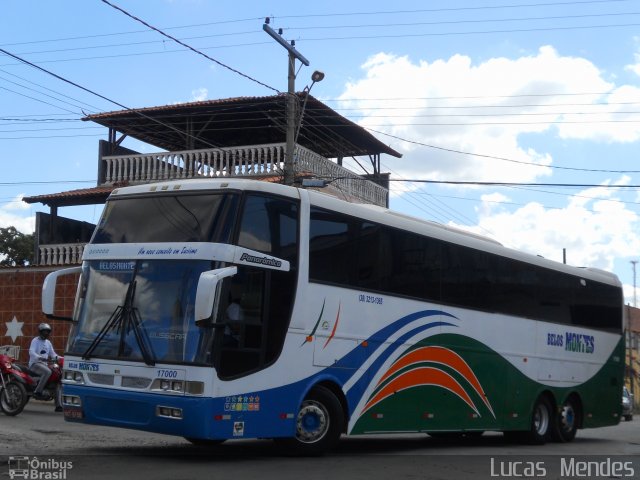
x,y
216,310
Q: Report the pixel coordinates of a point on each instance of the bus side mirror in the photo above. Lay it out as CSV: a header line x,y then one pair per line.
x,y
49,291
208,292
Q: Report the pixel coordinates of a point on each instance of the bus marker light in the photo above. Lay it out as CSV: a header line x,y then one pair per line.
x,y
514,415
377,415
222,417
473,415
286,416
589,415
427,415
365,343
309,338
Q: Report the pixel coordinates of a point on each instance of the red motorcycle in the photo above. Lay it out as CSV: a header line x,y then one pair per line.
x,y
17,384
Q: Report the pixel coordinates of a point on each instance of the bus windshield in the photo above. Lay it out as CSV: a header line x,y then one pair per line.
x,y
169,217
142,311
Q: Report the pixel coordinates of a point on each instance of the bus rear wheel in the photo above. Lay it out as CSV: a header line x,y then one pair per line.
x,y
566,421
319,424
540,429
541,423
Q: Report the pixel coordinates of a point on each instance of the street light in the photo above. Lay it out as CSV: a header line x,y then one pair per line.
x,y
316,76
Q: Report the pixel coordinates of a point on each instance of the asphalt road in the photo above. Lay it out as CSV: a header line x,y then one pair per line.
x,y
52,448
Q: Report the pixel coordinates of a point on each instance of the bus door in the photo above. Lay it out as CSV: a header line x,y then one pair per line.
x,y
256,303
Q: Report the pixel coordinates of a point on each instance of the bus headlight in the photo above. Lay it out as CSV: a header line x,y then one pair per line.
x,y
72,376
71,400
178,386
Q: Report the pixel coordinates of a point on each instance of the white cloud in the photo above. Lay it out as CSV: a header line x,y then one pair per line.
x,y
23,224
17,204
199,94
595,230
456,104
12,214
635,67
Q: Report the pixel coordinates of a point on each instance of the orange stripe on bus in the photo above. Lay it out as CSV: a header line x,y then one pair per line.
x,y
423,376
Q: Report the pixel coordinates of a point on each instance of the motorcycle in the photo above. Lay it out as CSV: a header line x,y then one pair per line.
x,y
17,384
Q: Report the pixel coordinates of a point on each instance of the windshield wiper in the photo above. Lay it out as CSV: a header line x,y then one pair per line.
x,y
124,319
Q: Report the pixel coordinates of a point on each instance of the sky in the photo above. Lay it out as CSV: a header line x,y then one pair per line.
x,y
543,96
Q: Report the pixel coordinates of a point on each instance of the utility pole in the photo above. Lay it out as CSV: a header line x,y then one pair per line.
x,y
629,339
291,97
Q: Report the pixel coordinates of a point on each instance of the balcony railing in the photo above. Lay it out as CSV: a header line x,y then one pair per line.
x,y
60,254
252,161
255,161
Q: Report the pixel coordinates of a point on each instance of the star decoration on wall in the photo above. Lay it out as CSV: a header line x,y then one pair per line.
x,y
14,329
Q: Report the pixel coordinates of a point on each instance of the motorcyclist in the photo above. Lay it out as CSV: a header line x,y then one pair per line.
x,y
40,351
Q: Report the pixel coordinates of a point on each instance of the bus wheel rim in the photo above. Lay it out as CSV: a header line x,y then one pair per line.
x,y
568,417
312,423
541,420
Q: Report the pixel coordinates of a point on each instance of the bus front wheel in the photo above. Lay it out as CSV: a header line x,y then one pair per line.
x,y
319,424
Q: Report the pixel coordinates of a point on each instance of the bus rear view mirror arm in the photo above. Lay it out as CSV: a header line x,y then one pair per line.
x,y
207,293
49,291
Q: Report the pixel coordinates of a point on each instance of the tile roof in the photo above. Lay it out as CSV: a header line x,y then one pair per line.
x,y
82,196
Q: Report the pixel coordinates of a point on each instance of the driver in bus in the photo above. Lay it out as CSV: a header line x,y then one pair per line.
x,y
233,316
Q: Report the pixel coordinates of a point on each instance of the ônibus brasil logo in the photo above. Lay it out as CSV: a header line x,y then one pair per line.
x,y
37,469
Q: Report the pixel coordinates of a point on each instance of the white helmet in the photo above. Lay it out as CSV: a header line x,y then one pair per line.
x,y
44,327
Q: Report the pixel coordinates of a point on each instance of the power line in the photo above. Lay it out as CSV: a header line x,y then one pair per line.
x,y
599,199
137,112
145,42
327,27
511,184
98,35
49,89
454,9
11,184
493,157
190,47
464,97
41,93
456,22
139,54
252,19
37,99
475,32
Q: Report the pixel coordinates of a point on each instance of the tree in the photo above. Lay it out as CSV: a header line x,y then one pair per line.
x,y
16,248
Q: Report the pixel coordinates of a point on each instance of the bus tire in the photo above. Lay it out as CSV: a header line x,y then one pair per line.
x,y
319,424
565,424
541,422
